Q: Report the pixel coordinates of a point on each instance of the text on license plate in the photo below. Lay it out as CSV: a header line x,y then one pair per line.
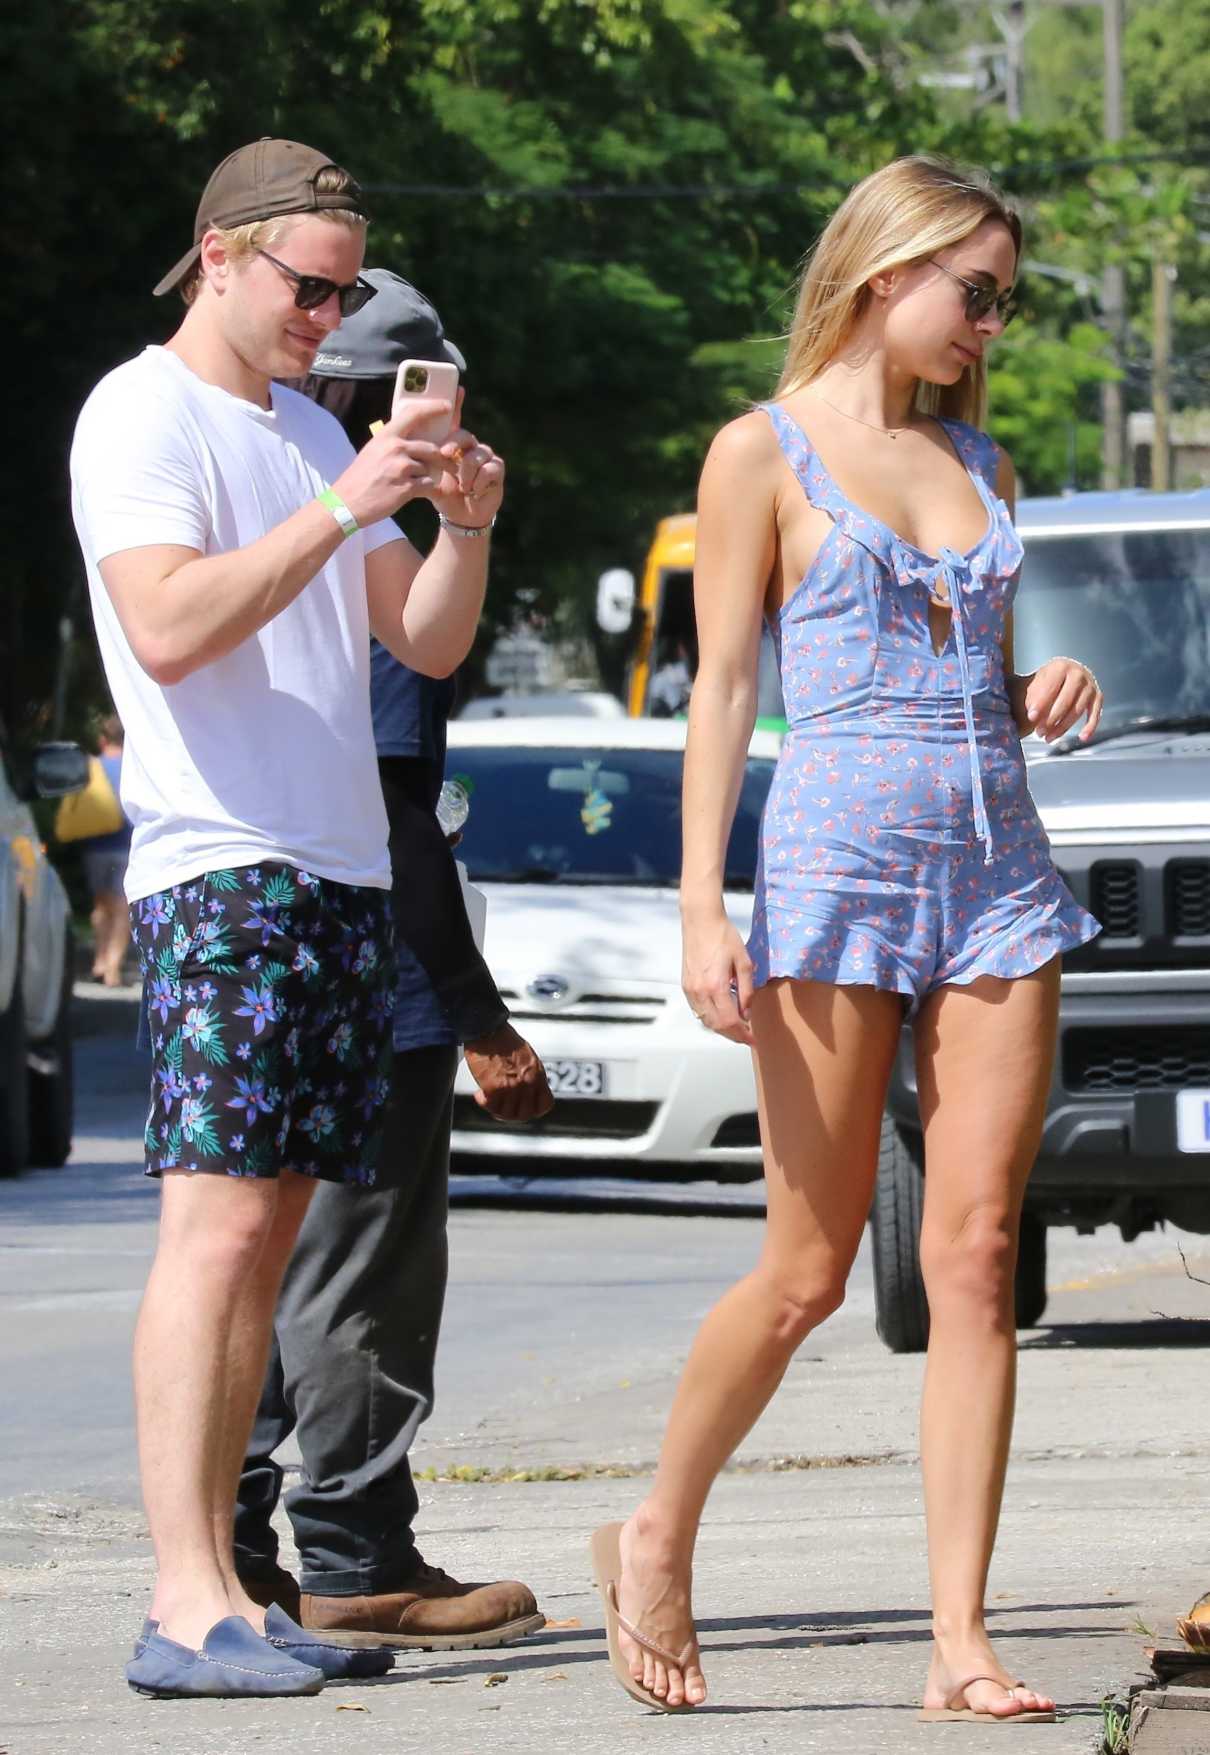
x,y
1193,1121
577,1078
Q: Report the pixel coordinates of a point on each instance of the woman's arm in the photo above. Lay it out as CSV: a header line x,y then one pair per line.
x,y
735,553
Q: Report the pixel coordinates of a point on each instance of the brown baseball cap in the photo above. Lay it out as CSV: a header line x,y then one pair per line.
x,y
261,181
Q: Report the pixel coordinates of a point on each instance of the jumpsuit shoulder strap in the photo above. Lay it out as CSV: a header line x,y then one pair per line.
x,y
977,449
801,455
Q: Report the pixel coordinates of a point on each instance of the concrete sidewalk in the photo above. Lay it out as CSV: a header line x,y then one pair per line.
x,y
811,1596
561,1344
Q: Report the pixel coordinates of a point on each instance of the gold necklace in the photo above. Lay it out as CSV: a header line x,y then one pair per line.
x,y
887,432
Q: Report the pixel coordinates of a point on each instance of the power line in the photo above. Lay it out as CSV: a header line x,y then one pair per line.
x,y
717,191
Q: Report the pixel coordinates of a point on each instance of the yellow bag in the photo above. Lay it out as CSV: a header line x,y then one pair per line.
x,y
93,811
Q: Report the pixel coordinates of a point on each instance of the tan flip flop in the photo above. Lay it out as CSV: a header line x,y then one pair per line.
x,y
956,1708
607,1569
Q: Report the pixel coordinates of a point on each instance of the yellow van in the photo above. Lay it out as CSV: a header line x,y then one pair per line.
x,y
660,615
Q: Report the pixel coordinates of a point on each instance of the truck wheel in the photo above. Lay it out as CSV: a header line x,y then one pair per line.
x,y
1031,1271
900,1305
14,1084
52,1084
900,1302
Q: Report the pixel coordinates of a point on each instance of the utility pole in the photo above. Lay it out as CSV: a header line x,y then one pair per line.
x,y
1012,24
1162,276
1113,294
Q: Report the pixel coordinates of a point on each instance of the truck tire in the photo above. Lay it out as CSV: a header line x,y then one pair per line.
x,y
900,1301
14,1083
1031,1271
52,1083
901,1308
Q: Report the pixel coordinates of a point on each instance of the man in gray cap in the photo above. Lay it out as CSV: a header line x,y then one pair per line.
x,y
351,1373
238,554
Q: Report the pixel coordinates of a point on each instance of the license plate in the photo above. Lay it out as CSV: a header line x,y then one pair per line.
x,y
577,1078
1193,1121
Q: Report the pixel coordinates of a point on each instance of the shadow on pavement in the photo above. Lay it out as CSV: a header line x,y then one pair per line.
x,y
1160,1331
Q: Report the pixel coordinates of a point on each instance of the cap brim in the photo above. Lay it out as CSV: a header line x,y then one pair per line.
x,y
176,275
454,356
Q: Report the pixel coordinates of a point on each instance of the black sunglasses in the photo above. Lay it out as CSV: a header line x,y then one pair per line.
x,y
313,290
982,299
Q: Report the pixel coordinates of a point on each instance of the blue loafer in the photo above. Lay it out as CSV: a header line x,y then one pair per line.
x,y
234,1663
337,1662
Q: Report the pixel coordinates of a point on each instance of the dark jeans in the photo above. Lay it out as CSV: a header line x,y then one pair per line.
x,y
351,1368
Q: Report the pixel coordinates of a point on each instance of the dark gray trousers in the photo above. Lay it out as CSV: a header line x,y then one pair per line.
x,y
355,1338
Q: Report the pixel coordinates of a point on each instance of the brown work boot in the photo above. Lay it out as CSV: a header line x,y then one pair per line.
x,y
431,1612
271,1585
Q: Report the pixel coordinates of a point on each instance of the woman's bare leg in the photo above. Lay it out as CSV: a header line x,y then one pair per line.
x,y
984,1055
823,1057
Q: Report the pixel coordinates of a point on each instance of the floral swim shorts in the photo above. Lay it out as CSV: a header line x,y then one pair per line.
x,y
269,994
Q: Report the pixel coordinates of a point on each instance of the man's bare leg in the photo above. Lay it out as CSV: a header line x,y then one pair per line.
x,y
247,1359
214,1230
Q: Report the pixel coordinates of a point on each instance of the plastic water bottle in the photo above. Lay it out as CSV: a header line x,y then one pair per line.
x,y
453,808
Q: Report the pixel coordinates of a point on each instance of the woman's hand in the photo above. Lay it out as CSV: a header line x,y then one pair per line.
x,y
1058,694
716,975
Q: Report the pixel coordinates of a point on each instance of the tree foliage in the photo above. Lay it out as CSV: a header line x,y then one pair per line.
x,y
607,200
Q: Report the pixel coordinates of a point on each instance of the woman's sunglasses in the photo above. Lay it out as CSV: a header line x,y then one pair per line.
x,y
982,299
313,290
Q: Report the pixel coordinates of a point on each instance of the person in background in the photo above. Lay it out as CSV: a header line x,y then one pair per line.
x,y
351,1371
105,859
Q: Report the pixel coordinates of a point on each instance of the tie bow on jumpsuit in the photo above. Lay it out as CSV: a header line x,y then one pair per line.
x,y
900,847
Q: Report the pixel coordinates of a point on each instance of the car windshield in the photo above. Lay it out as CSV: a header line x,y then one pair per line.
x,y
603,816
1133,605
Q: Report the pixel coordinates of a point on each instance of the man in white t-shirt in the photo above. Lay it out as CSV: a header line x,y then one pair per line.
x,y
239,554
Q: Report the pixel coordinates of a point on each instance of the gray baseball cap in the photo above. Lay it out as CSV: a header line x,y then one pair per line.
x,y
400,324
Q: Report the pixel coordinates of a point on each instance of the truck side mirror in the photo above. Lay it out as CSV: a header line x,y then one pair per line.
x,y
615,600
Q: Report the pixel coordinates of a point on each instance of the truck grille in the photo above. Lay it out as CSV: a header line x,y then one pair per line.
x,y
1140,1059
1114,897
583,1117
1187,897
1154,910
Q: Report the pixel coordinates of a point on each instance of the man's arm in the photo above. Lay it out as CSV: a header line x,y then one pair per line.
x,y
425,613
181,610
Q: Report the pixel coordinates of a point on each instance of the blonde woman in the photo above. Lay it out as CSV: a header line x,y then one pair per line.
x,y
903,872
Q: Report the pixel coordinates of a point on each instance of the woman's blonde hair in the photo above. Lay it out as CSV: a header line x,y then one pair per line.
x,y
901,214
243,241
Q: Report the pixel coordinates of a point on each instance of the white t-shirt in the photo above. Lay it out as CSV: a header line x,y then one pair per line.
x,y
268,753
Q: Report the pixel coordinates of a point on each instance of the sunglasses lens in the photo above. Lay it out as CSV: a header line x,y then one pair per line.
x,y
355,298
312,292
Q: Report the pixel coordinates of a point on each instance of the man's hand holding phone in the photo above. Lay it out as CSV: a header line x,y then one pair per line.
x,y
424,452
395,466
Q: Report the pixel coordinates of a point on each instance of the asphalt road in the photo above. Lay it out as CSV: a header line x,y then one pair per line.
x,y
563,1335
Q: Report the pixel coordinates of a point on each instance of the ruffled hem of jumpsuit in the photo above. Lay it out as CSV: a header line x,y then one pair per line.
x,y
864,960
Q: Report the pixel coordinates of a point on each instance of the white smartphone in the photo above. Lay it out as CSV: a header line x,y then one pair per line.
x,y
424,381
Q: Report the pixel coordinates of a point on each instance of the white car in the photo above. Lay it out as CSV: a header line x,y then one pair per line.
x,y
575,839
577,703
